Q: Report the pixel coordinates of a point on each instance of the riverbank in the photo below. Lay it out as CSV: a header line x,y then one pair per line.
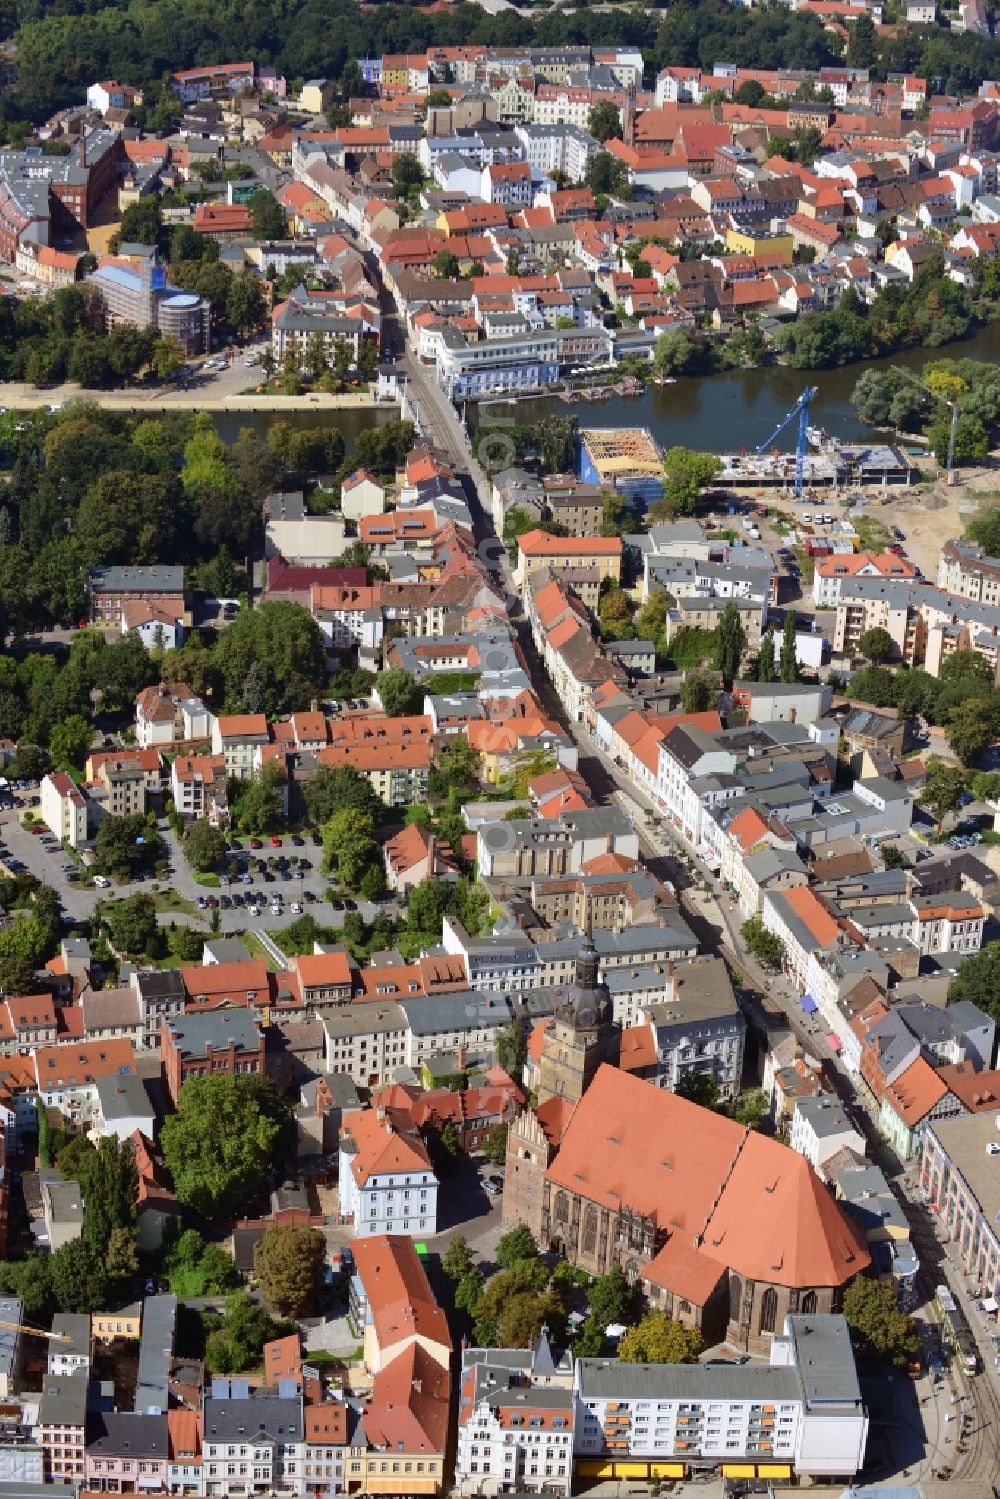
x,y
21,397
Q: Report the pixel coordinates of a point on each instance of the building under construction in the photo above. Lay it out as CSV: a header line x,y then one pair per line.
x,y
626,459
831,467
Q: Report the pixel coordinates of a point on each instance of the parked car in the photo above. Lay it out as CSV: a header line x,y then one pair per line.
x,y
256,843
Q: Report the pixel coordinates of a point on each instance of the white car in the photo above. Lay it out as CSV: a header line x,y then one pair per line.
x,y
102,881
296,908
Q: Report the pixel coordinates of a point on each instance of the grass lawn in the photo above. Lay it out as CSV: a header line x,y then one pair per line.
x,y
251,941
873,534
806,564
169,900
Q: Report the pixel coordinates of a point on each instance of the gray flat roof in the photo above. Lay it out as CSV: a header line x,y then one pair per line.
x,y
606,1379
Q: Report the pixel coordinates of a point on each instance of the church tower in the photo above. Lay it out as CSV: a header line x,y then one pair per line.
x,y
583,1035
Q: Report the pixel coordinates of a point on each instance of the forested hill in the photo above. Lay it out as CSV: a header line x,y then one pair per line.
x,y
65,45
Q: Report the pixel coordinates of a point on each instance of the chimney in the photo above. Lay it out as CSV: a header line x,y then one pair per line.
x,y
380,1113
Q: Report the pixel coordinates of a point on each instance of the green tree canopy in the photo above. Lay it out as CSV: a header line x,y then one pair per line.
x,y
658,1340
517,1244
763,943
942,790
685,474
278,650
227,1133
978,980
204,845
288,1264
398,692
880,1330
875,645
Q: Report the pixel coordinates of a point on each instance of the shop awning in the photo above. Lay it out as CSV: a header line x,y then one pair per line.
x,y
808,1004
833,1042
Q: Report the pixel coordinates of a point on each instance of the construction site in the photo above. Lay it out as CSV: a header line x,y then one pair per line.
x,y
627,459
834,467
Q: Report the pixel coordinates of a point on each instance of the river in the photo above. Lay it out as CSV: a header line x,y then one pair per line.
x,y
719,413
741,408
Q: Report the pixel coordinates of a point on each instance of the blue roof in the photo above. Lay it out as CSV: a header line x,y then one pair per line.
x,y
119,274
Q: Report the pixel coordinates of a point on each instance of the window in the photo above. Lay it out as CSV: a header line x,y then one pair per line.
x,y
768,1310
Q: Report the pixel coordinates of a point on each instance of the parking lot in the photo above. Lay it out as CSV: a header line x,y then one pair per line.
x,y
256,894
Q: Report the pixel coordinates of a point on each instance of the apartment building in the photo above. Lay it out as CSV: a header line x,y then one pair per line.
x,y
387,1184
64,808
202,1045
966,569
365,1041
829,573
198,785
252,1444
171,713
538,551
819,1128
111,589
62,1425
696,1029
392,1304
127,1452
66,1075
802,1414
239,738
516,1410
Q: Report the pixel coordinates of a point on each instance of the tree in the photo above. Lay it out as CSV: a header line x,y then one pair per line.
x,y
893,857
700,1088
132,924
875,645
110,1186
258,803
762,943
121,1255
468,1291
336,788
284,645
880,1330
445,265
70,740
204,846
398,692
227,1133
511,1049
658,1340
349,845
495,1146
237,1346
765,661
611,1298
79,1279
457,1260
978,980
788,661
30,1280
518,1244
125,845
730,643
267,215
614,612
589,1341
685,475
245,303
698,691
971,728
604,121
942,791
406,173
288,1264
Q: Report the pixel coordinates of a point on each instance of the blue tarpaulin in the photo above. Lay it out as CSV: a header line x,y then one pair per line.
x,y
809,1004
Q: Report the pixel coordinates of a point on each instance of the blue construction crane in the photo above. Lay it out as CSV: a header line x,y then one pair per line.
x,y
801,410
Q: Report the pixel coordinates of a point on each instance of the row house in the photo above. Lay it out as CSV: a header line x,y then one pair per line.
x,y
198,786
